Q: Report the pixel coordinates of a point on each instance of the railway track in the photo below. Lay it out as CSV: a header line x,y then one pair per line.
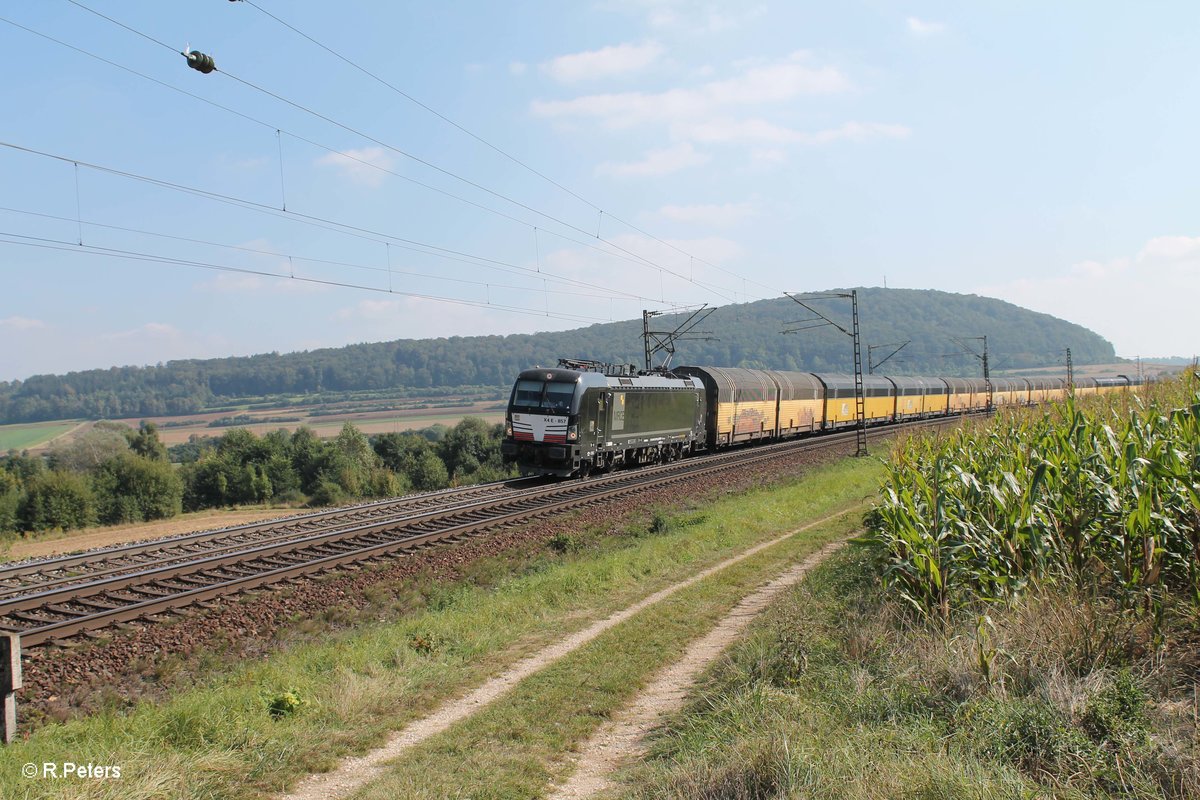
x,y
55,599
35,575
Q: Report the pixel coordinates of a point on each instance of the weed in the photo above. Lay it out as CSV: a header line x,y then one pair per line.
x,y
661,523
1029,734
1117,713
284,704
421,643
562,543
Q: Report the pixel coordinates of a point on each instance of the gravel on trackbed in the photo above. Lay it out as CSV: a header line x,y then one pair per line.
x,y
154,658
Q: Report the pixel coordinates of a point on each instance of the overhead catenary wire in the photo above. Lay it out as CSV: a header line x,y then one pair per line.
x,y
467,181
63,245
725,294
496,148
389,269
425,106
626,255
333,150
308,219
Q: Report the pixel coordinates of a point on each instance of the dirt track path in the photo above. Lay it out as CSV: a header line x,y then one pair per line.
x,y
620,739
354,773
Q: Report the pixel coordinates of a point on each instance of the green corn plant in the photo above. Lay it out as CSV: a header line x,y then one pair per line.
x,y
1103,492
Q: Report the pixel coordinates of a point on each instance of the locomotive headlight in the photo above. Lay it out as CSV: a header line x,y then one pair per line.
x,y
573,433
508,428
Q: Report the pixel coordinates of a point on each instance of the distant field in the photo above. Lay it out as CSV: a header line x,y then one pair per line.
x,y
327,428
176,430
32,434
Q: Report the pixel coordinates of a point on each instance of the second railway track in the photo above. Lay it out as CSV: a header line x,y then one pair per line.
x,y
58,598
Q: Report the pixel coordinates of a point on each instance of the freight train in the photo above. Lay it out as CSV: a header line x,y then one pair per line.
x,y
572,421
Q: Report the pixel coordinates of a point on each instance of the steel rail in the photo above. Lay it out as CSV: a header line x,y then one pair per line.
x,y
71,589
174,587
122,558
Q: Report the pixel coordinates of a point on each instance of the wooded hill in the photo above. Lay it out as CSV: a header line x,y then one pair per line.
x,y
745,335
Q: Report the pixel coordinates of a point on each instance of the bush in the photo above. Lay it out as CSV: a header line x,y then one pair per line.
x,y
59,500
1117,713
10,502
132,488
1029,734
327,493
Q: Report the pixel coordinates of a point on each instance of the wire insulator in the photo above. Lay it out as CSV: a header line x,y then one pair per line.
x,y
200,62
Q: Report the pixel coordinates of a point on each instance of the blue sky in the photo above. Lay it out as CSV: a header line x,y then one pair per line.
x,y
1043,153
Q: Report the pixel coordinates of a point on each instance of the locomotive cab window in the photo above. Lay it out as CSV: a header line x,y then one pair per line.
x,y
544,396
528,393
558,395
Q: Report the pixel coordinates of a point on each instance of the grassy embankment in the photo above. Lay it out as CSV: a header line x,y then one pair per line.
x,y
344,693
1052,654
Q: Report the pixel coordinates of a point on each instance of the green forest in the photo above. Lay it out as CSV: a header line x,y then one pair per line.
x,y
746,335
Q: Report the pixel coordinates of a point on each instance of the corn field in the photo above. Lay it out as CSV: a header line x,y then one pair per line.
x,y
1104,494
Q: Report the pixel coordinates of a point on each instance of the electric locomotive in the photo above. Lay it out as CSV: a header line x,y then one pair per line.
x,y
568,421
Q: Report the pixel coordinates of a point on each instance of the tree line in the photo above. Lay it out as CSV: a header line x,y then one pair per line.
x,y
746,335
114,474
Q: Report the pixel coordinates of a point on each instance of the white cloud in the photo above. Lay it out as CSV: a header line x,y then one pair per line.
x,y
157,331
1143,304
755,85
725,130
768,156
1171,248
698,18
657,162
919,27
673,285
76,342
21,324
374,309
621,59
357,164
244,283
518,68
712,215
233,283
385,318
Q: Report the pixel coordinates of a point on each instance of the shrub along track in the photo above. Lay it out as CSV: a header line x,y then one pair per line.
x,y
128,661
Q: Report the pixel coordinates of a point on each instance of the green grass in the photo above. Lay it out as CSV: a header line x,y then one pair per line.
x,y
836,695
221,740
26,435
515,747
